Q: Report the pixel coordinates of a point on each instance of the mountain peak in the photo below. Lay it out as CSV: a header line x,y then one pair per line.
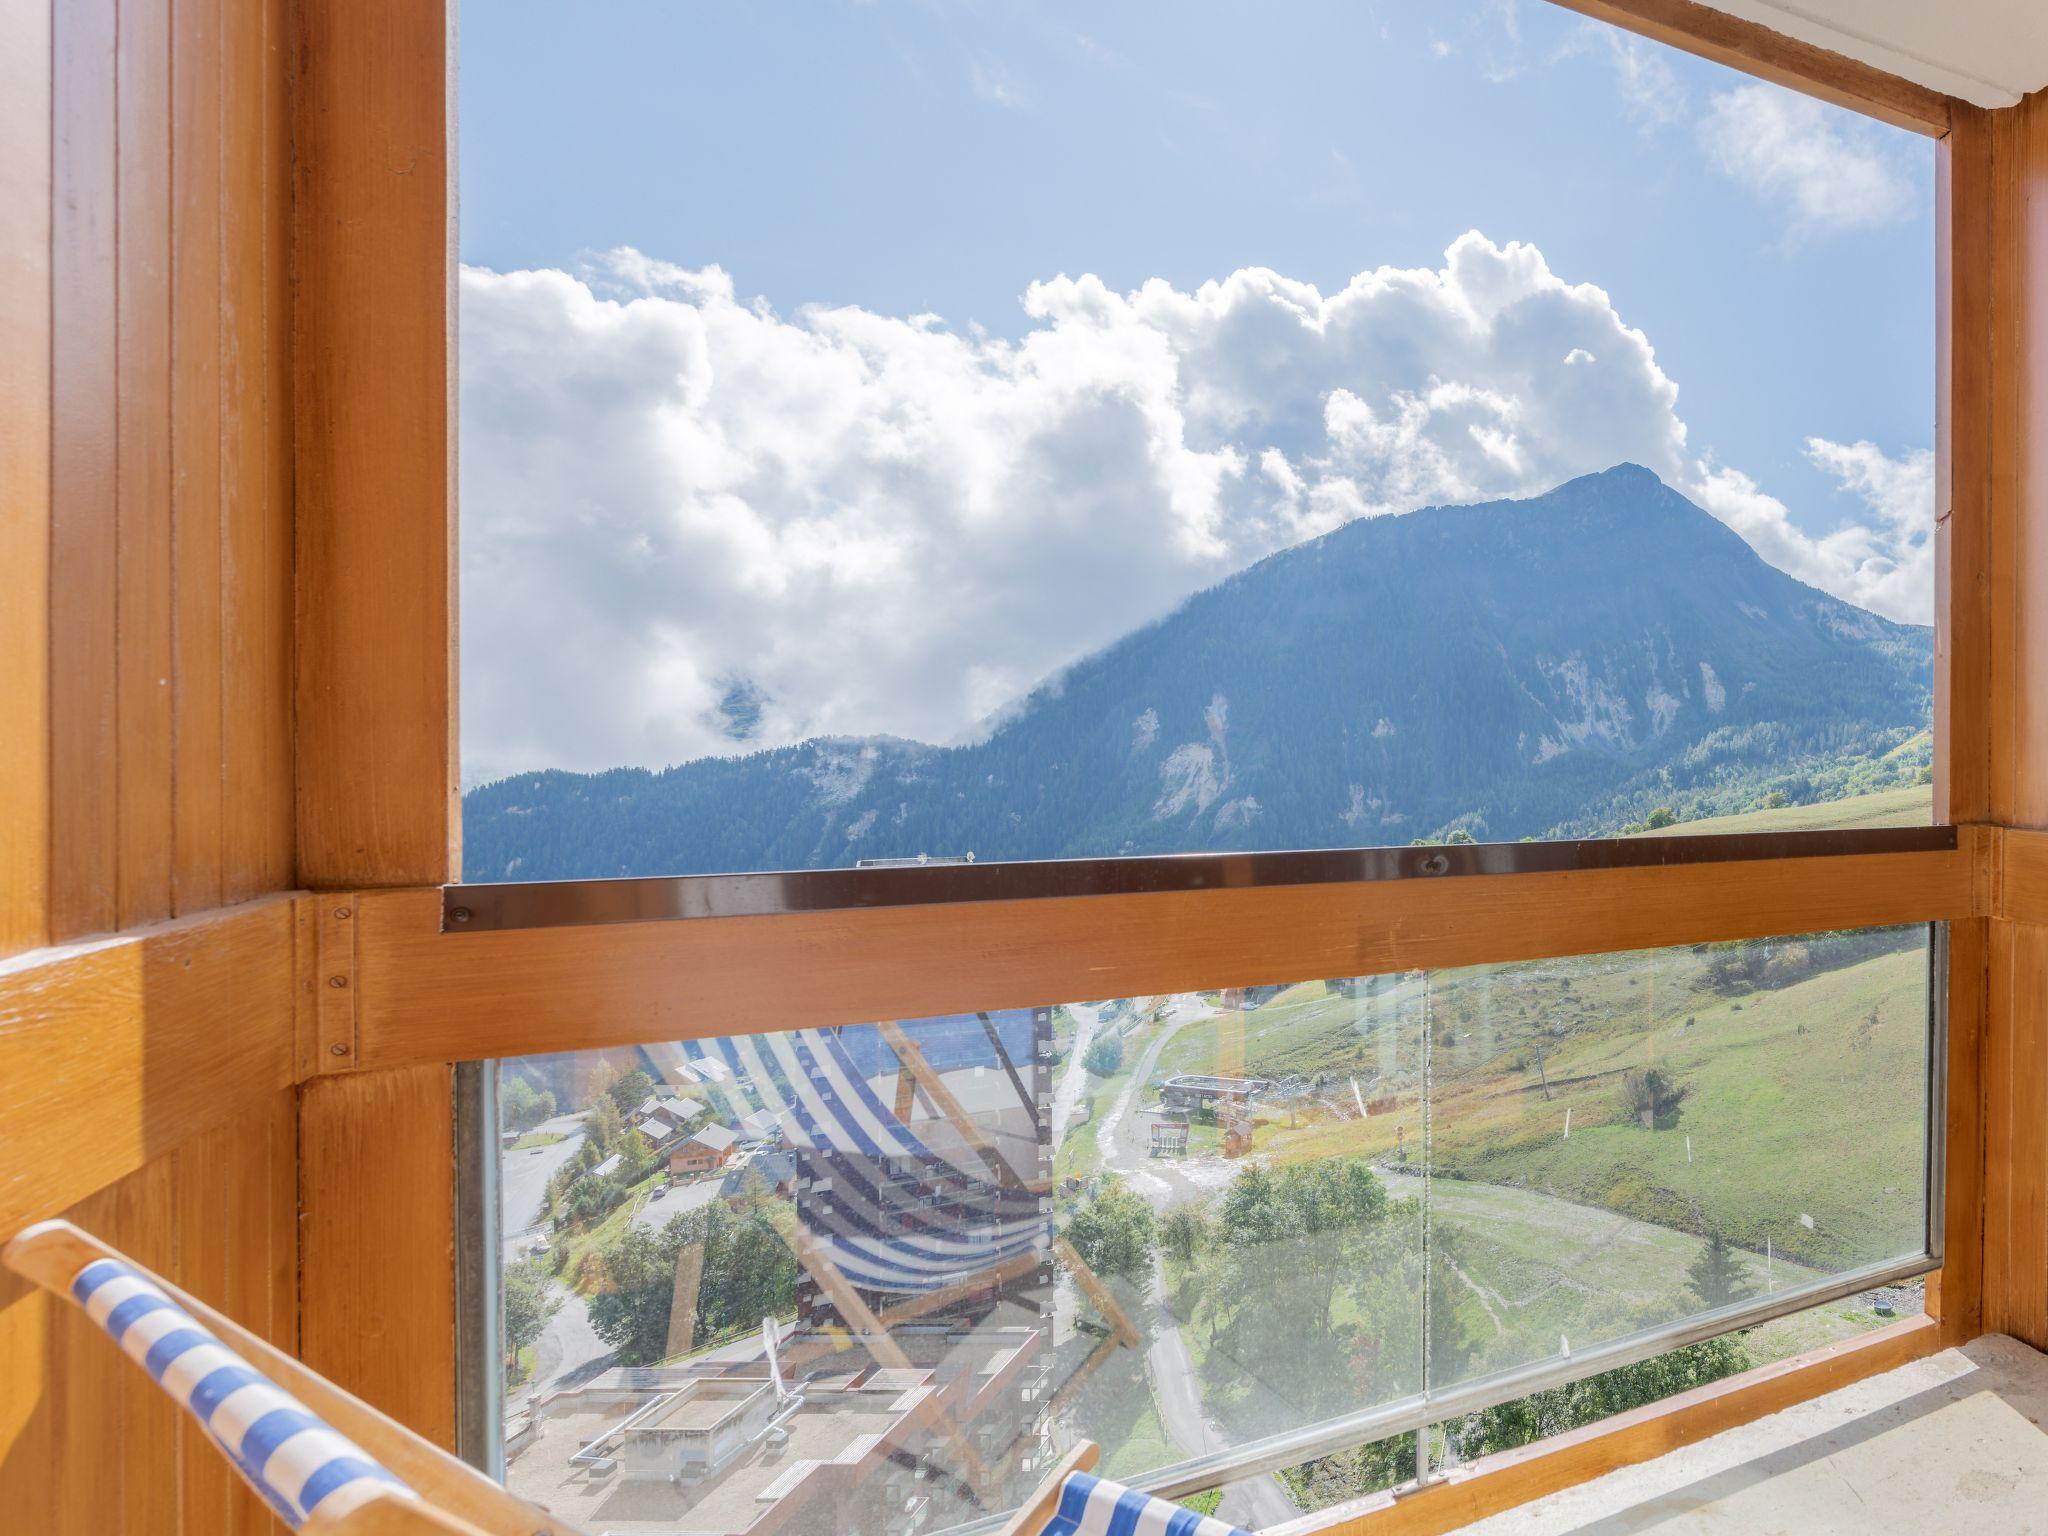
x,y
1549,666
1626,478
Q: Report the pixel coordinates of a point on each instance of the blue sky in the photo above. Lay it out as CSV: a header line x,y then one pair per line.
x,y
929,158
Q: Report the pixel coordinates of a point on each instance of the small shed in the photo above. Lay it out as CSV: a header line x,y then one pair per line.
x,y
1169,1138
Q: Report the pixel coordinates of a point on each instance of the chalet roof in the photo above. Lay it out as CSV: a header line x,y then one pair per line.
x,y
718,1138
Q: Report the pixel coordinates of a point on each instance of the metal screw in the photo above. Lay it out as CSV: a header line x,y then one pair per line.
x,y
1436,864
343,913
337,1050
459,914
337,981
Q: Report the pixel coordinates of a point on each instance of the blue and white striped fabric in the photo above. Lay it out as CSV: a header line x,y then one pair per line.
x,y
1090,1506
875,1236
287,1454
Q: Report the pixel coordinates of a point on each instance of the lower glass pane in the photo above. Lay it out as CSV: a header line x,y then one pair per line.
x,y
879,1278
1620,1141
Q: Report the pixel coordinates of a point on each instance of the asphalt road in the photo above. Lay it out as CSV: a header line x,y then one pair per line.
x,y
1254,1502
655,1214
567,1352
523,1181
1124,1141
1066,1098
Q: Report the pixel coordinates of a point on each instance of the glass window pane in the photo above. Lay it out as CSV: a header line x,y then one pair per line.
x,y
878,1278
1621,1141
1050,430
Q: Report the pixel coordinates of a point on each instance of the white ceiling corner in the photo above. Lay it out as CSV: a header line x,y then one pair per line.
x,y
1988,52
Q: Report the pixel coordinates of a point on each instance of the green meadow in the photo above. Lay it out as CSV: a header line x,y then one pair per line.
x,y
1797,1130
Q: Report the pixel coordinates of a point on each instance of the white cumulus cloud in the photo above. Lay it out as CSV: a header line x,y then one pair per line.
x,y
693,524
1883,561
1827,169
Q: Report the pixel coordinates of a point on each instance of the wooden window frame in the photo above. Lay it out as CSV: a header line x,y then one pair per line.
x,y
379,810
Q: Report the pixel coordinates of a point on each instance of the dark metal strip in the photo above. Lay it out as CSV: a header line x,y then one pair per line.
x,y
479,1273
673,898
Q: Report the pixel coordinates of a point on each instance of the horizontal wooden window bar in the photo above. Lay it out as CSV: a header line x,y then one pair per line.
x,y
580,903
1162,925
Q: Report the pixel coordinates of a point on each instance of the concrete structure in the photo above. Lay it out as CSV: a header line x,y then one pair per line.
x,y
1202,1090
1953,1443
1169,1138
712,1449
695,1432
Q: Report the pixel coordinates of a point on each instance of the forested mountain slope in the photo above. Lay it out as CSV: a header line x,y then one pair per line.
x,y
1548,667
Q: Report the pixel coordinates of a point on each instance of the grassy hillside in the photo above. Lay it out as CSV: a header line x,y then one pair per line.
x,y
1800,1122
1911,805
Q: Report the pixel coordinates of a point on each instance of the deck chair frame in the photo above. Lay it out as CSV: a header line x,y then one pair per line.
x,y
453,1498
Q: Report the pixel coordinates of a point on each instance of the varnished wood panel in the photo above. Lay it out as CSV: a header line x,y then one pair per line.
x,y
373,369
183,1213
2018,465
143,729
2015,1061
84,782
269,603
422,995
2027,380
148,546
115,1052
2020,891
1769,55
377,1298
2015,1244
256,543
25,256
1962,435
144,1079
195,135
28,1446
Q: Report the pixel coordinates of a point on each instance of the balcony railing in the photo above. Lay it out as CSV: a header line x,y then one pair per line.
x,y
1440,1190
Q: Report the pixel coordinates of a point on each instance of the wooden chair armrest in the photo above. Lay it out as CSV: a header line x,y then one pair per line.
x,y
1032,1515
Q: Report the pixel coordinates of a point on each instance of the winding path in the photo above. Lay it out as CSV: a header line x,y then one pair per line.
x,y
1254,1502
1066,1098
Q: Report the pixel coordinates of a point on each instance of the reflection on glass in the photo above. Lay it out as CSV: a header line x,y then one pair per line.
x,y
877,1278
1622,1140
